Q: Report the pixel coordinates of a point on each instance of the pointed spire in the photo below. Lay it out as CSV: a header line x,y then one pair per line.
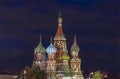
x,y
60,19
59,32
40,38
60,14
75,40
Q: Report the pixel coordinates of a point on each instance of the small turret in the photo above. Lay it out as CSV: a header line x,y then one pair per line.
x,y
75,48
39,56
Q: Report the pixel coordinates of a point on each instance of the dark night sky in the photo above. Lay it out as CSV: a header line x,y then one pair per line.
x,y
95,22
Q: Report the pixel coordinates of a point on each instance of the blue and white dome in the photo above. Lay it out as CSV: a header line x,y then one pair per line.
x,y
51,49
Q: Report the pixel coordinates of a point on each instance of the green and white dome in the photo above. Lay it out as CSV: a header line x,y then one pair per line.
x,y
39,49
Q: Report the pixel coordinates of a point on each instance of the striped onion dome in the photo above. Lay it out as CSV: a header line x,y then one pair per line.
x,y
75,46
39,48
51,48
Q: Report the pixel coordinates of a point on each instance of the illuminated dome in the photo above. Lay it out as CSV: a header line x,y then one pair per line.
x,y
39,48
65,57
51,49
75,47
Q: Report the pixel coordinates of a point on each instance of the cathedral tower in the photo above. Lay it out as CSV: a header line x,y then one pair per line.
x,y
51,62
60,40
75,61
39,56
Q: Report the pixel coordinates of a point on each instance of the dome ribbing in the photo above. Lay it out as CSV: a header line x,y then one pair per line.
x,y
39,48
51,48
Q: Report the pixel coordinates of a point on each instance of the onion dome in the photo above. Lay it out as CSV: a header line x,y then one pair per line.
x,y
75,46
39,48
51,48
65,57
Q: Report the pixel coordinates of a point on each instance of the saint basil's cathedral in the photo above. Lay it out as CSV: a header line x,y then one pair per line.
x,y
55,60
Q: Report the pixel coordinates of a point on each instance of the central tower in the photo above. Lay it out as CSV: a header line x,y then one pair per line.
x,y
60,40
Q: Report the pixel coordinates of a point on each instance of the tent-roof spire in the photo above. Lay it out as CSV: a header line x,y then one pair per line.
x,y
59,29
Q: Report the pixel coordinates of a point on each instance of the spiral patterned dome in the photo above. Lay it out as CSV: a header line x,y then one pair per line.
x,y
39,48
75,46
51,49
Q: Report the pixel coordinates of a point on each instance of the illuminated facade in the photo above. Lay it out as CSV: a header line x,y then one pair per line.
x,y
55,59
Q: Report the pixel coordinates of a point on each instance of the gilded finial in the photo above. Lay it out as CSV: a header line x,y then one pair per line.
x,y
60,18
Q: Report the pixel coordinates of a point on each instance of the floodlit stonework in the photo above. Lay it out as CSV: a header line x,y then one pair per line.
x,y
55,60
